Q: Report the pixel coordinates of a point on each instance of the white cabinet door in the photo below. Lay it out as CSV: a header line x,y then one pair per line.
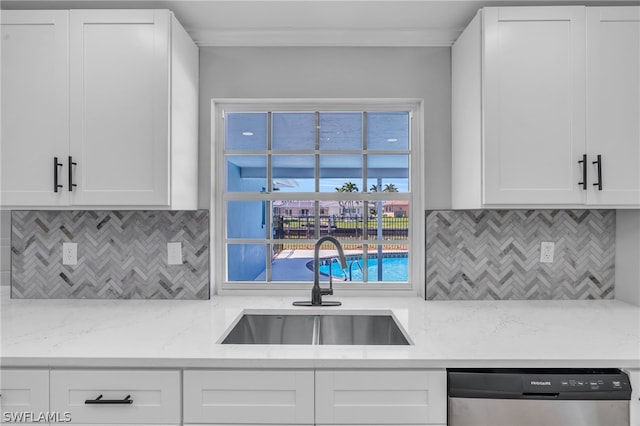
x,y
248,397
119,102
390,397
154,396
613,104
35,107
534,107
24,395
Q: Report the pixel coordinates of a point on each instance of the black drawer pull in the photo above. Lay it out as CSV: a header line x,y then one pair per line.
x,y
55,174
599,163
127,400
71,164
584,171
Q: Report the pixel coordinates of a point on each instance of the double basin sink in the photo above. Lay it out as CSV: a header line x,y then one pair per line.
x,y
303,328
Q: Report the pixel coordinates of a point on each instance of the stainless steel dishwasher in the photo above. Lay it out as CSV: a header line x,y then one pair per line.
x,y
538,397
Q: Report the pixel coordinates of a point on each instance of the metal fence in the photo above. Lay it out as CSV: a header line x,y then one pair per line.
x,y
346,227
342,227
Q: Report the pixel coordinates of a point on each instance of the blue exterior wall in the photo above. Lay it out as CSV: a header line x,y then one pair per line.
x,y
245,261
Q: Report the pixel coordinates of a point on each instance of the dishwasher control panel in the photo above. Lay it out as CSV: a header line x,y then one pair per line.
x,y
574,382
568,384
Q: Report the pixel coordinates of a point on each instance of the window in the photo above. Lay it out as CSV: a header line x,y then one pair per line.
x,y
287,174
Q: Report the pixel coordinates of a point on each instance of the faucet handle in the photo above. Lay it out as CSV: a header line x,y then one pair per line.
x,y
329,291
326,291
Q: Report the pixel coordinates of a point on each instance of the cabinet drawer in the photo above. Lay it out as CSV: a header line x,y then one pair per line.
x,y
23,391
155,396
246,396
381,397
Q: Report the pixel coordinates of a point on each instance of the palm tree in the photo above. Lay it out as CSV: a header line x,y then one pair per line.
x,y
348,187
390,188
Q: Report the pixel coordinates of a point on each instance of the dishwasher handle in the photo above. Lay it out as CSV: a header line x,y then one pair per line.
x,y
540,395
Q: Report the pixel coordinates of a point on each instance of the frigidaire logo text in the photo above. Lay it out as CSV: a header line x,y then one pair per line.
x,y
538,383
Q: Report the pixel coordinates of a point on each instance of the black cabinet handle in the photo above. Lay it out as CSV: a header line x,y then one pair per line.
x,y
127,400
55,174
71,164
584,171
599,163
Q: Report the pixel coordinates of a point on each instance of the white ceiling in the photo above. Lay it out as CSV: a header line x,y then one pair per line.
x,y
312,22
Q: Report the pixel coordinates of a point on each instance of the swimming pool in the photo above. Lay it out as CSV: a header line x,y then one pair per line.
x,y
395,267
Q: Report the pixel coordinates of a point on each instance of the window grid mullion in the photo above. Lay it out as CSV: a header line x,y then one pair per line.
x,y
365,212
267,204
316,153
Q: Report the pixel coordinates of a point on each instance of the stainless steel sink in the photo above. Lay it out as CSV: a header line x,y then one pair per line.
x,y
360,330
272,329
280,328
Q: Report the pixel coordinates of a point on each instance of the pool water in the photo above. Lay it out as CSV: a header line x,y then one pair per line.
x,y
393,269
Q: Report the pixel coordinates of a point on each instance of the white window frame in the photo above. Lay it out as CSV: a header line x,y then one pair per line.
x,y
415,241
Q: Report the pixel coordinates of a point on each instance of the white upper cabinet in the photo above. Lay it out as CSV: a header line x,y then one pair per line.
x,y
119,106
535,102
613,105
35,106
124,142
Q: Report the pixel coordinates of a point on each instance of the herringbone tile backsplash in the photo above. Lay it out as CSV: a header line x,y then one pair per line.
x,y
495,254
121,254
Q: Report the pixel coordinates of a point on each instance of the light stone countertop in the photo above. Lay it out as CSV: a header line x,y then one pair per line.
x,y
184,334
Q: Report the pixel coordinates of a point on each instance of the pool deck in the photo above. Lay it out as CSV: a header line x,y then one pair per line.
x,y
291,265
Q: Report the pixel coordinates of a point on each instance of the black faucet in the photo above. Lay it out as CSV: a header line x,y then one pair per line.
x,y
316,291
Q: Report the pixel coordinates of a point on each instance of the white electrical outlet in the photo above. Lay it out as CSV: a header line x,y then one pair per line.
x,y
546,251
174,253
69,253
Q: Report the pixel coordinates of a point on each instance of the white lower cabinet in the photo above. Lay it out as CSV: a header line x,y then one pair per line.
x,y
634,376
229,397
24,396
117,396
381,397
248,397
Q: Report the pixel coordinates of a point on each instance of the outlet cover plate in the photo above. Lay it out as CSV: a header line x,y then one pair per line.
x,y
69,253
547,251
174,253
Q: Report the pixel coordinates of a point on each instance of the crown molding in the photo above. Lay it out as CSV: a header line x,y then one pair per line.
x,y
325,37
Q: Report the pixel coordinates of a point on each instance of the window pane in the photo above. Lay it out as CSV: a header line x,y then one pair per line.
x,y
246,131
293,173
342,130
341,173
246,173
388,220
293,219
292,262
246,219
246,262
388,130
388,263
293,130
388,173
330,265
342,219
